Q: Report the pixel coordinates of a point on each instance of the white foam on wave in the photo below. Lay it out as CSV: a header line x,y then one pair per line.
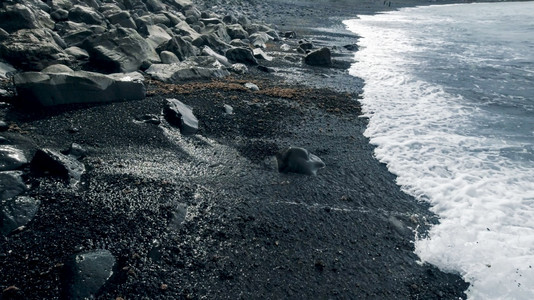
x,y
484,199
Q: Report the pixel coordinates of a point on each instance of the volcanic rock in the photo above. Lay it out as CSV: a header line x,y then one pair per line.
x,y
84,274
49,162
181,115
298,160
16,212
48,89
320,58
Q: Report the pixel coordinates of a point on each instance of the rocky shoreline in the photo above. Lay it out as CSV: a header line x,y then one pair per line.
x,y
141,144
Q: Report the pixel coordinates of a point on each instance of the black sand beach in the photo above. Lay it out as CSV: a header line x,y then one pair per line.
x,y
209,216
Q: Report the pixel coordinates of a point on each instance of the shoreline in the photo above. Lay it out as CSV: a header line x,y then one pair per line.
x,y
209,215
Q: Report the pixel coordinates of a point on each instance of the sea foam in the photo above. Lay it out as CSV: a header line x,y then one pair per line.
x,y
451,115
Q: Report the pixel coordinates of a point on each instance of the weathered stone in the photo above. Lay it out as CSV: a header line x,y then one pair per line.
x,y
77,52
181,115
259,39
228,109
59,15
230,19
155,5
175,17
251,86
11,184
84,274
320,58
290,35
84,14
57,68
209,52
122,19
241,55
285,47
119,50
6,70
17,212
218,30
240,43
266,69
157,36
179,46
184,29
33,49
211,41
305,45
239,68
298,160
168,57
11,158
20,16
259,54
49,162
150,119
48,89
236,31
181,4
76,151
207,21
184,71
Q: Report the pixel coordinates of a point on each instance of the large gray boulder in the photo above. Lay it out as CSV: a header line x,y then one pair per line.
x,y
84,14
236,31
20,16
119,50
11,184
211,41
84,274
49,89
184,29
218,30
11,158
319,58
179,46
241,55
33,49
181,115
184,71
298,160
53,163
222,59
157,36
17,212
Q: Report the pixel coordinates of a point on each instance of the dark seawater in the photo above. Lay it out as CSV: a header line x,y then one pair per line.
x,y
450,96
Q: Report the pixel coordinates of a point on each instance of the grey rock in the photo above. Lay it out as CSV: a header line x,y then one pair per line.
x,y
259,54
211,41
181,115
209,52
49,89
218,30
122,19
298,160
305,45
60,4
33,49
53,163
230,19
84,274
76,150
84,14
184,29
290,35
184,71
259,39
241,55
11,158
175,17
228,109
181,4
11,184
266,69
180,47
17,212
251,86
3,124
77,52
178,215
168,57
239,68
157,36
20,16
193,12
285,47
149,119
57,68
239,43
6,70
207,21
320,58
236,31
119,50
59,15
155,5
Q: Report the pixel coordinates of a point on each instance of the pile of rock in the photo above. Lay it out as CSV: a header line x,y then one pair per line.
x,y
172,39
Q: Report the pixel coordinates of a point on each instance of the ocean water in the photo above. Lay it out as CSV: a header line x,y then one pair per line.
x,y
449,92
